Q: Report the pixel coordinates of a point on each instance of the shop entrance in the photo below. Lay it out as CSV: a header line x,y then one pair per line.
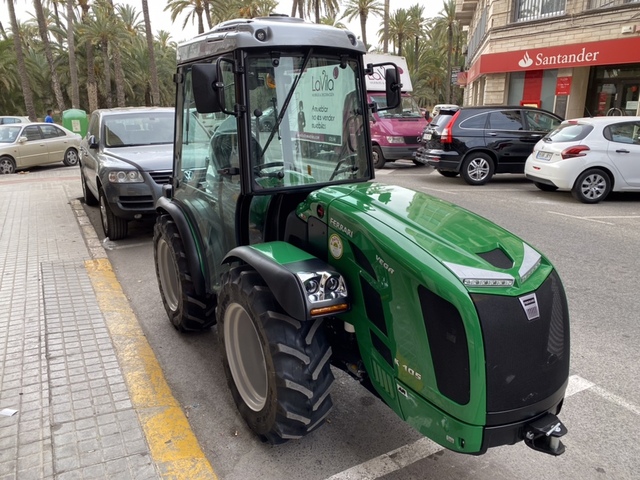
x,y
614,91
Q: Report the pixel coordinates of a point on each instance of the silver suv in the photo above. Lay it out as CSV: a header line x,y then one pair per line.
x,y
125,159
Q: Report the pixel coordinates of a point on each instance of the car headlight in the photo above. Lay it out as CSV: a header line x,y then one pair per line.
x,y
125,176
395,139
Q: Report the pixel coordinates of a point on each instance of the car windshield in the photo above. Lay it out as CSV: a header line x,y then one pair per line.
x,y
408,108
306,121
9,133
138,129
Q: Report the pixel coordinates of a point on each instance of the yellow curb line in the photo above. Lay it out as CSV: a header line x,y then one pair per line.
x,y
174,447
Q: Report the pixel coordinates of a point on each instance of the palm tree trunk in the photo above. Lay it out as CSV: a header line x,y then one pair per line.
x,y
107,74
363,27
317,10
207,12
27,93
119,73
449,49
44,35
385,40
155,84
73,67
92,83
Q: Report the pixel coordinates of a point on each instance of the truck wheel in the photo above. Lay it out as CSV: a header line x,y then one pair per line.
x,y
477,169
378,158
114,227
185,309
277,367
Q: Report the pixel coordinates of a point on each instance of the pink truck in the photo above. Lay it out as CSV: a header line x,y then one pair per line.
x,y
396,133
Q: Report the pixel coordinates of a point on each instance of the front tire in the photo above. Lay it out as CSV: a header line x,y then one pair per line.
x,y
89,198
185,309
378,158
276,366
7,165
70,157
477,169
114,227
592,186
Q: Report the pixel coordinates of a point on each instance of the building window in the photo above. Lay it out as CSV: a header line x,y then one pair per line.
x,y
536,9
593,4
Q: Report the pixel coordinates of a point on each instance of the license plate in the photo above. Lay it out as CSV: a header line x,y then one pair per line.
x,y
427,136
543,156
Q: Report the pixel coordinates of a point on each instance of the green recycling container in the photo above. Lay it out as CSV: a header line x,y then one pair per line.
x,y
76,121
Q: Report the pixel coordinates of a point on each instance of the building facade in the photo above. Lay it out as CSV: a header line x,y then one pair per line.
x,y
572,57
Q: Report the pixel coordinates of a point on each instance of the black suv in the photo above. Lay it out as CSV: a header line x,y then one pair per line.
x,y
477,142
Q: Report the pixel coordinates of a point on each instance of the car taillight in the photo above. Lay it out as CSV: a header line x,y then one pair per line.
x,y
572,152
447,132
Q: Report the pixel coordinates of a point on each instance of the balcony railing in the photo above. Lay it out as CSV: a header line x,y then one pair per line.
x,y
537,9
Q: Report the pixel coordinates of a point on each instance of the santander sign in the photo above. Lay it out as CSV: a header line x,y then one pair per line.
x,y
583,56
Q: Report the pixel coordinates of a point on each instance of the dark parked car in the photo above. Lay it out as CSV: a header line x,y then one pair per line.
x,y
126,157
477,142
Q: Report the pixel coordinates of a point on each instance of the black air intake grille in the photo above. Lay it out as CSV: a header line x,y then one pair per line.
x,y
161,177
373,305
448,344
527,361
497,258
138,202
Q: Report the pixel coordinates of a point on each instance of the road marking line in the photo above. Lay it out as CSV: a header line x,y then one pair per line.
x,y
408,454
174,447
613,216
579,218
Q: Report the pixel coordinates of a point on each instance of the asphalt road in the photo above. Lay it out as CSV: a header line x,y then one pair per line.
x,y
594,248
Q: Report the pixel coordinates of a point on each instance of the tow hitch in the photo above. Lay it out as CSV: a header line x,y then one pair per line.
x,y
544,435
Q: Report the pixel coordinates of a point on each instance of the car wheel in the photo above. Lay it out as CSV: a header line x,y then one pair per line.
x,y
114,227
477,169
591,186
89,198
448,173
7,165
545,187
186,310
378,158
277,367
70,157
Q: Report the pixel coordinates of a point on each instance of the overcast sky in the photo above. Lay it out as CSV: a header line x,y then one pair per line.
x,y
161,20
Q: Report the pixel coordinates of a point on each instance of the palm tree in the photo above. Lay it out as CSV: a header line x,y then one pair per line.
x,y
417,25
399,29
44,36
297,5
333,21
155,87
73,68
385,27
22,69
195,8
329,7
92,83
362,9
447,24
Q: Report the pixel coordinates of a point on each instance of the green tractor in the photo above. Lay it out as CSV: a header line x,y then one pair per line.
x,y
278,235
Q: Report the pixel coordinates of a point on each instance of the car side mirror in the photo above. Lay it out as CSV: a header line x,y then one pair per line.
x,y
93,142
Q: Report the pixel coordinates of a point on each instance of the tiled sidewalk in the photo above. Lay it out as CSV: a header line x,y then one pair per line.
x,y
58,367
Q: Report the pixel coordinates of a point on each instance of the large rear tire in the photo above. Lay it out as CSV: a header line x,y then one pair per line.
x,y
277,367
114,227
186,311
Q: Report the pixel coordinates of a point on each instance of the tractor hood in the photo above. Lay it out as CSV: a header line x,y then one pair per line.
x,y
474,249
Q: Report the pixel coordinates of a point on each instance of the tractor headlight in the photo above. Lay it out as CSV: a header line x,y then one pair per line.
x,y
530,263
321,286
125,176
479,277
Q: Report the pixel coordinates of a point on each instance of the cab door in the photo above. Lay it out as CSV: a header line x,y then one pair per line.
x,y
624,150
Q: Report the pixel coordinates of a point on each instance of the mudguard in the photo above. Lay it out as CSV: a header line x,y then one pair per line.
x,y
305,286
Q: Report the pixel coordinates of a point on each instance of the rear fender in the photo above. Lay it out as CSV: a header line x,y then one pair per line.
x,y
166,206
305,286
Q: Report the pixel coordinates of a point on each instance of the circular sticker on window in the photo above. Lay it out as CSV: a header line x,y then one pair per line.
x,y
335,246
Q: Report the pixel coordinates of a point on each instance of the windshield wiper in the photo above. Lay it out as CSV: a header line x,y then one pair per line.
x,y
285,105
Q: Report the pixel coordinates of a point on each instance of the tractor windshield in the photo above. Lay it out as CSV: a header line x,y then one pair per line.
x,y
306,121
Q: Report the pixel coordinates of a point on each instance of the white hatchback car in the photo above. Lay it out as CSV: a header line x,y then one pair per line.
x,y
589,156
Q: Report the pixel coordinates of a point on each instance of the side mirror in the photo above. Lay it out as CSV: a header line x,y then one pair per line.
x,y
205,88
22,139
392,87
93,142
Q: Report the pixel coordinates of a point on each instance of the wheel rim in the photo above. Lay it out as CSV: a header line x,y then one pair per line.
x,y
168,275
593,186
72,157
6,166
103,214
246,357
478,169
